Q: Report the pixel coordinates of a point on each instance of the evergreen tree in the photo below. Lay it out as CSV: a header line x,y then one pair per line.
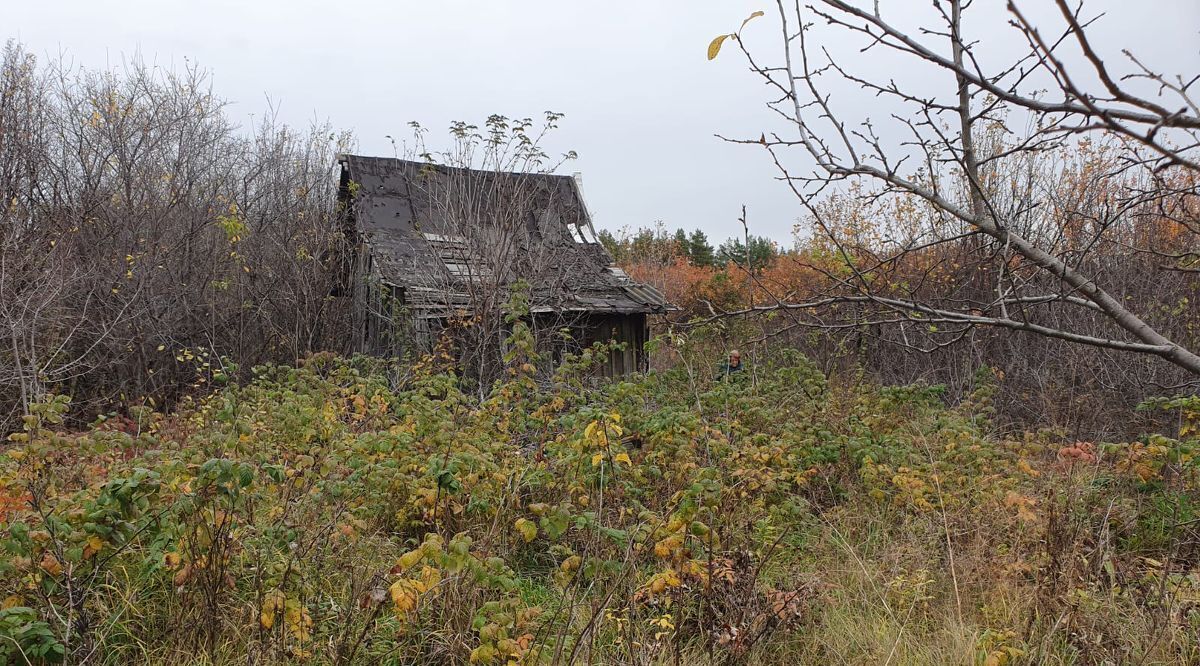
x,y
641,246
611,244
762,252
700,252
682,249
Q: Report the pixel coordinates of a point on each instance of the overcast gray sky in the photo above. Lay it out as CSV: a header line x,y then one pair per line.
x,y
641,102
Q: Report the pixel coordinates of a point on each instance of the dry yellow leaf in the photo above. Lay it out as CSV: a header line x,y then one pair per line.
x,y
93,546
405,594
51,565
527,529
714,47
571,563
666,547
273,602
410,558
749,19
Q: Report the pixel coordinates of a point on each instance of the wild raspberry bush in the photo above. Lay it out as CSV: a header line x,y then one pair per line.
x,y
352,511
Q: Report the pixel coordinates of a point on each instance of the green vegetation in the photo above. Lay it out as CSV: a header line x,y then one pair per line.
x,y
351,511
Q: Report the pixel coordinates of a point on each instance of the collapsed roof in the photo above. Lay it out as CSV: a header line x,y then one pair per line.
x,y
441,233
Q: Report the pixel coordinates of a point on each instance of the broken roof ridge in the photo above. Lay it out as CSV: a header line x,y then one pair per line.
x,y
394,215
345,157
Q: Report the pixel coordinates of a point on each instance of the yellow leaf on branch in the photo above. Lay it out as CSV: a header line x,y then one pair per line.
x,y
527,529
714,47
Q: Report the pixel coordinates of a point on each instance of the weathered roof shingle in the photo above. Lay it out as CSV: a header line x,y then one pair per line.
x,y
433,229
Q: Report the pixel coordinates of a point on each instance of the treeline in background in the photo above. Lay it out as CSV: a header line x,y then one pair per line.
x,y
145,236
1084,391
149,244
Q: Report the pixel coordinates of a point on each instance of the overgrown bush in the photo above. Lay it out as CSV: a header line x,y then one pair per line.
x,y
329,513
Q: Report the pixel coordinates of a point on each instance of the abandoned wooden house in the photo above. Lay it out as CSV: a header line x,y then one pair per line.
x,y
436,245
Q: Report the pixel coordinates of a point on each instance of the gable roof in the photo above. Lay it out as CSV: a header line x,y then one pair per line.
x,y
432,230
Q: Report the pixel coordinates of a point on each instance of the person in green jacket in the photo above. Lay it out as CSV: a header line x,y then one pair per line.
x,y
732,366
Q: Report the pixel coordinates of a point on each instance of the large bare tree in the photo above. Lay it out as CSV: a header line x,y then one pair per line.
x,y
145,239
980,165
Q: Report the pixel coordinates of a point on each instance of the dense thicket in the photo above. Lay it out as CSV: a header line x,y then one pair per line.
x,y
336,513
1029,204
878,281
927,456
1084,390
143,234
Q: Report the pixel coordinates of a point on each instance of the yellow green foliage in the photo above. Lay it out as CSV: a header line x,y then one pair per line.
x,y
330,513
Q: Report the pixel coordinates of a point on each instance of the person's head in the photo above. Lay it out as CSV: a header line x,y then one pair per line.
x,y
735,358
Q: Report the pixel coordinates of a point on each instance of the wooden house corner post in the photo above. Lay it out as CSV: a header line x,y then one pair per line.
x,y
358,264
643,355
